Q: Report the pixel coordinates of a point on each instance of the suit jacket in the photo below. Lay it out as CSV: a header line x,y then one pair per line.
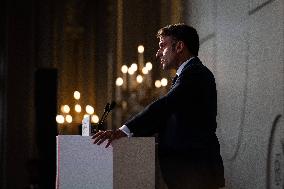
x,y
185,118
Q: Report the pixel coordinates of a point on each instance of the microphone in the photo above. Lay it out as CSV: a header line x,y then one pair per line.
x,y
107,109
111,106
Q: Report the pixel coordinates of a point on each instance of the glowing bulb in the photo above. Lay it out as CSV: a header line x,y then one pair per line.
x,y
68,118
140,48
134,67
65,109
60,119
158,84
124,69
78,108
139,79
164,82
131,71
119,81
95,119
145,70
149,66
77,95
90,109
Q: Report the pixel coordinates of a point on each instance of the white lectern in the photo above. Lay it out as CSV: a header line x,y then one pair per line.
x,y
127,163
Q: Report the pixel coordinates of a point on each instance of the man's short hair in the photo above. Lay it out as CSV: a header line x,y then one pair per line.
x,y
182,32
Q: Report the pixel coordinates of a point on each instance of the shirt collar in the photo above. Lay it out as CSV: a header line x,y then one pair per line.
x,y
183,65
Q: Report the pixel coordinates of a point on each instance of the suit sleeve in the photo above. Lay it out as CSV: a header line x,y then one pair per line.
x,y
181,96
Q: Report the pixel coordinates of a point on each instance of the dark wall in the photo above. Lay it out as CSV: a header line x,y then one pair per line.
x,y
30,40
101,31
20,64
141,22
2,88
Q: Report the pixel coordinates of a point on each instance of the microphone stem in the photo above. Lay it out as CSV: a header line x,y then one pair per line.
x,y
102,119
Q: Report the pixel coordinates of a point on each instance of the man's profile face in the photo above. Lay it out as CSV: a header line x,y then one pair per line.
x,y
167,52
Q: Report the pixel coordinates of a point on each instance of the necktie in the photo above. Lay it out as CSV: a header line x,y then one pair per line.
x,y
174,80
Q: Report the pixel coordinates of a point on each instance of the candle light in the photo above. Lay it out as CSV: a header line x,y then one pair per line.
x,y
140,57
164,82
60,119
134,67
139,79
77,95
124,70
95,118
65,109
131,78
68,118
119,83
90,109
149,66
158,84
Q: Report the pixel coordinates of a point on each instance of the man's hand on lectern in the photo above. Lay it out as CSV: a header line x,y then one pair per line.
x,y
111,135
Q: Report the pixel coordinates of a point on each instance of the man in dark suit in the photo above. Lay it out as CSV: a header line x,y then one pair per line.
x,y
185,118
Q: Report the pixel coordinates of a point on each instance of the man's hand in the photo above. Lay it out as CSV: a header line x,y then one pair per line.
x,y
111,135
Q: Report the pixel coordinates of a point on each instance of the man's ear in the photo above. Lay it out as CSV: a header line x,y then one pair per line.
x,y
180,46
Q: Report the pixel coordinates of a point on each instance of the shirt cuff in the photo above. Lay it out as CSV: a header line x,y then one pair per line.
x,y
126,130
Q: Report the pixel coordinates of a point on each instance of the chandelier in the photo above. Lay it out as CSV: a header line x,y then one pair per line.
x,y
75,113
135,87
